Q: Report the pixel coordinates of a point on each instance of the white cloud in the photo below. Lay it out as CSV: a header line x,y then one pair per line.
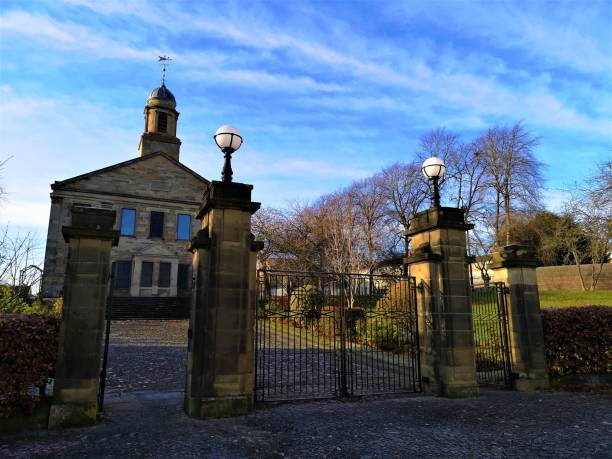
x,y
481,95
264,79
29,215
70,37
564,34
50,139
555,200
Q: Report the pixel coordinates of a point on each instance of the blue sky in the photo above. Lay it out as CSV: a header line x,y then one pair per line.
x,y
324,92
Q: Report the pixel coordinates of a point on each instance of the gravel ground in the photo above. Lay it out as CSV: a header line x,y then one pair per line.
x,y
497,424
144,419
150,355
146,355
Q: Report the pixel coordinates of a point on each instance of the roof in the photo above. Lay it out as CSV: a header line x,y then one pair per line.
x,y
162,93
59,184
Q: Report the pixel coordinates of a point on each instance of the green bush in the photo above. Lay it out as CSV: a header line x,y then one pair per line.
x,y
28,347
308,302
379,333
366,301
266,306
578,340
398,297
12,303
385,336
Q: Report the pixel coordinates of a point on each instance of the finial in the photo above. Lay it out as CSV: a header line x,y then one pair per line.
x,y
164,61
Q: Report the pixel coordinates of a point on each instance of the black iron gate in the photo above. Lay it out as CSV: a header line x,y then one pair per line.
x,y
490,319
331,334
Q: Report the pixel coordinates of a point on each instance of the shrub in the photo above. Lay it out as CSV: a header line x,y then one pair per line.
x,y
383,334
578,340
13,303
28,347
308,301
397,297
366,301
58,306
265,306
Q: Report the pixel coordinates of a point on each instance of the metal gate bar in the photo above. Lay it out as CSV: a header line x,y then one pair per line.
x,y
334,335
490,322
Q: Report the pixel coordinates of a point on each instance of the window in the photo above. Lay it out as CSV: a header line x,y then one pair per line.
x,y
128,222
164,275
146,274
162,122
183,277
183,227
156,228
122,273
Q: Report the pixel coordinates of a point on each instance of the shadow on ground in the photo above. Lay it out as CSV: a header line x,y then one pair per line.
x,y
497,424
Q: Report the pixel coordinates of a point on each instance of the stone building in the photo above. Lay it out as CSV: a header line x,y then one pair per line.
x,y
155,198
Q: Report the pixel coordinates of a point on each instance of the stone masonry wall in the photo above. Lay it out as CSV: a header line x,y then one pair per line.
x,y
568,278
150,184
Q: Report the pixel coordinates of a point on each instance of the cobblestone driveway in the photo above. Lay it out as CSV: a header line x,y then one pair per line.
x,y
146,355
144,419
497,424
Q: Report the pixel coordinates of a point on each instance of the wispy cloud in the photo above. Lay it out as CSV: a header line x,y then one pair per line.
x,y
263,80
562,35
68,36
324,92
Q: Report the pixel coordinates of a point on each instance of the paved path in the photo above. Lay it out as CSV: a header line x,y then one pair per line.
x,y
149,355
144,419
497,424
146,355
299,363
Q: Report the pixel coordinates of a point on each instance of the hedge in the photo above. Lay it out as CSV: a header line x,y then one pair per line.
x,y
28,347
578,340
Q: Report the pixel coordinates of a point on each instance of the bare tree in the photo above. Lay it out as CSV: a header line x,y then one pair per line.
x,y
17,254
2,190
481,247
405,191
368,198
515,174
589,242
20,274
339,220
268,226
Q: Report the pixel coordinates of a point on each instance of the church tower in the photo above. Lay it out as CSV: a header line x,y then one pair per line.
x,y
160,124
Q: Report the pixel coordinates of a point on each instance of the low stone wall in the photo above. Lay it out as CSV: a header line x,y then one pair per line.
x,y
568,278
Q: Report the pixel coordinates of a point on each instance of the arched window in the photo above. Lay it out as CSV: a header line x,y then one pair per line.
x,y
162,122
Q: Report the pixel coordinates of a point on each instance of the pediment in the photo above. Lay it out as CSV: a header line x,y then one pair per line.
x,y
152,176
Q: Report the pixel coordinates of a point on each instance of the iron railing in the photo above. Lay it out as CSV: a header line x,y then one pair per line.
x,y
490,321
334,334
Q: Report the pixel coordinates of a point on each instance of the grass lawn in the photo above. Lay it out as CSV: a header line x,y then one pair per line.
x,y
559,299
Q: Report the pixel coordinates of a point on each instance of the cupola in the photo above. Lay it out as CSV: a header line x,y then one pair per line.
x,y
160,124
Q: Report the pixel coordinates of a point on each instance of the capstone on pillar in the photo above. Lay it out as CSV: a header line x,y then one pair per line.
x,y
515,265
220,380
77,374
439,264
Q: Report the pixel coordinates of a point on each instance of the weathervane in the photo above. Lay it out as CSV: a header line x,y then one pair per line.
x,y
164,61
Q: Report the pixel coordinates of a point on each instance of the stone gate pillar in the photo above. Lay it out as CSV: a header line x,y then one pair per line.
x,y
221,326
439,264
77,373
515,265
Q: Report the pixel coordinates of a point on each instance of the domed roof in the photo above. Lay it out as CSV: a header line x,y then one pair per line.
x,y
162,93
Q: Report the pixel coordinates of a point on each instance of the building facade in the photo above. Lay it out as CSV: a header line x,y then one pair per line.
x,y
155,198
